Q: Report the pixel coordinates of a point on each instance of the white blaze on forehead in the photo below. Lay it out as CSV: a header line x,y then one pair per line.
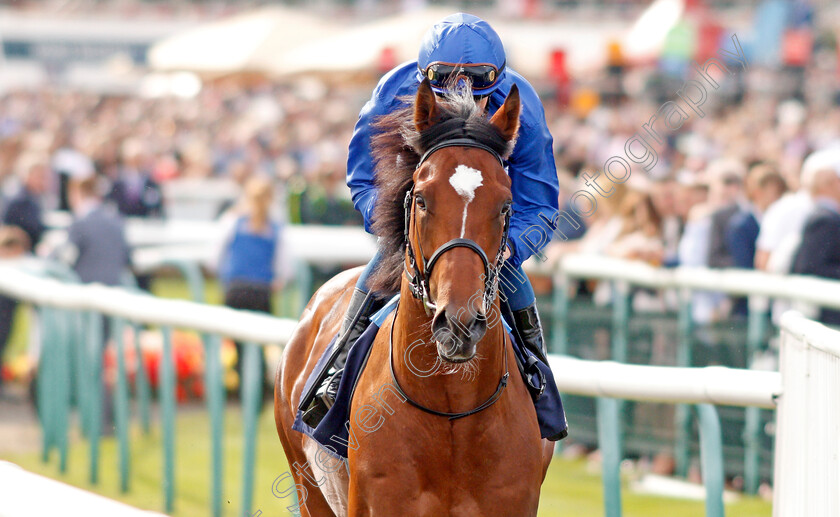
x,y
465,181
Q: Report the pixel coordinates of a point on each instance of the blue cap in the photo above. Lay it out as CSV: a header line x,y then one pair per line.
x,y
463,39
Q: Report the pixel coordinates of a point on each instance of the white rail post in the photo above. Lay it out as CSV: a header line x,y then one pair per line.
x,y
807,470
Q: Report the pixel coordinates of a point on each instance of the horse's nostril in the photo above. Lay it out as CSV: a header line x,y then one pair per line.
x,y
439,323
479,325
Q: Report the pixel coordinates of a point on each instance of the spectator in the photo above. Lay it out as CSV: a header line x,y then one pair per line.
x,y
782,224
641,237
726,190
693,249
97,248
67,163
24,209
602,228
252,259
327,201
98,252
764,187
134,192
819,251
664,198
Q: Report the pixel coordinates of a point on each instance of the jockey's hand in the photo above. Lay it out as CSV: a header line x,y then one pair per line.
x,y
507,253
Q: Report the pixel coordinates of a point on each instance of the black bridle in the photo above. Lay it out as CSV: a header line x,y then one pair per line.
x,y
419,280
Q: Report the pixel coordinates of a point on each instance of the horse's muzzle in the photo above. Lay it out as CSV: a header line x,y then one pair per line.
x,y
458,334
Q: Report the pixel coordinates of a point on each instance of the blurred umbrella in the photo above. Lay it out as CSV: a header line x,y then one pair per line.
x,y
361,48
247,43
647,37
528,44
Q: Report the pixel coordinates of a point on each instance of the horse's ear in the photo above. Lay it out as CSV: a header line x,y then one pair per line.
x,y
506,119
425,107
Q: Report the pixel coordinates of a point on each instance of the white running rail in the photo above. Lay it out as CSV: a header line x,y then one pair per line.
x,y
807,471
24,494
716,385
144,308
807,289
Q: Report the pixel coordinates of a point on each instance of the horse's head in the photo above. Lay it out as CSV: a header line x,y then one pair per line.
x,y
458,213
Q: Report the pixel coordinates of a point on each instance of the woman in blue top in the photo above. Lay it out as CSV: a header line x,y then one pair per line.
x,y
252,258
460,44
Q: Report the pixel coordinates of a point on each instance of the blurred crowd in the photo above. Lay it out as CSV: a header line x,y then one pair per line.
x,y
708,200
295,134
751,184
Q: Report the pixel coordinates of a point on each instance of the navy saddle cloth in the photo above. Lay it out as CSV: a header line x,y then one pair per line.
x,y
333,431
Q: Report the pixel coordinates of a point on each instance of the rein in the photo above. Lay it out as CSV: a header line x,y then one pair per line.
x,y
451,416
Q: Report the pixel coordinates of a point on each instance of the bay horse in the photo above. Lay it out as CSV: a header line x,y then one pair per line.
x,y
438,425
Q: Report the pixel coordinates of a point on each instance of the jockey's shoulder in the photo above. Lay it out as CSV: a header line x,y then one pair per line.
x,y
531,103
401,77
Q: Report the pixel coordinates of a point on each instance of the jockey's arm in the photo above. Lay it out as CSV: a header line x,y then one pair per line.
x,y
360,166
534,183
360,177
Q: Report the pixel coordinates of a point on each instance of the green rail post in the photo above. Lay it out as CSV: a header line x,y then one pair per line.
x,y
620,320
94,351
682,414
45,381
141,381
63,353
711,458
166,394
195,279
82,371
609,441
756,329
215,401
619,335
251,389
560,318
121,403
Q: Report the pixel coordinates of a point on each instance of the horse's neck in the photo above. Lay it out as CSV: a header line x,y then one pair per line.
x,y
443,386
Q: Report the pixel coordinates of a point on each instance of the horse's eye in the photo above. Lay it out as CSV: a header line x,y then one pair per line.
x,y
506,208
420,202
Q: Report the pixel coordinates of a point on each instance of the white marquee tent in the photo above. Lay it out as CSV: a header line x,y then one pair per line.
x,y
250,42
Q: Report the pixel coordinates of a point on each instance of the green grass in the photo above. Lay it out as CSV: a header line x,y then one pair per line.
x,y
176,287
20,332
569,490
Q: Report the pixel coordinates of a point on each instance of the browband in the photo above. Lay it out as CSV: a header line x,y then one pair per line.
x,y
460,142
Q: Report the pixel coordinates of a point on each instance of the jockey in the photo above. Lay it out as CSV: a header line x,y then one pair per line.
x,y
468,45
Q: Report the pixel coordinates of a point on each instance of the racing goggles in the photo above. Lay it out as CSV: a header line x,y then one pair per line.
x,y
482,76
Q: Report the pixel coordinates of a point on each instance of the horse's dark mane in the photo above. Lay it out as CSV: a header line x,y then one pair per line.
x,y
397,147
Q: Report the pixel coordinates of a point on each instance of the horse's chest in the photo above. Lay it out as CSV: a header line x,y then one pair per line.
x,y
407,462
433,466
